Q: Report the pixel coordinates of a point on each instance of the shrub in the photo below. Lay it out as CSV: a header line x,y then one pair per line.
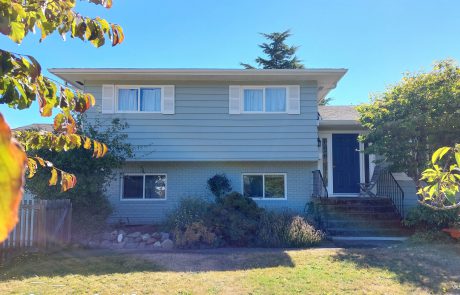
x,y
430,236
189,210
301,234
219,185
195,235
286,230
425,218
235,219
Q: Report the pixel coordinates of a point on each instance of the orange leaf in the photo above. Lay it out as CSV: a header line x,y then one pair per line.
x,y
104,150
12,165
87,144
32,167
40,161
54,177
68,181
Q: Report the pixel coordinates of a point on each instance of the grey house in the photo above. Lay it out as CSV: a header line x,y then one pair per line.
x,y
262,128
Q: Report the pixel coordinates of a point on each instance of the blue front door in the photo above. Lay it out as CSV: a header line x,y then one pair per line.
x,y
345,163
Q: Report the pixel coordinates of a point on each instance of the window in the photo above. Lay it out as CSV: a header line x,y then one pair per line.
x,y
139,99
264,99
144,186
264,186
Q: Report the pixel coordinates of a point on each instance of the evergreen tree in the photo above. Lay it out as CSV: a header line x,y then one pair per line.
x,y
280,55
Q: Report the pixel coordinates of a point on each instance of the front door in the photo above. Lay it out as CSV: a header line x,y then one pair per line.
x,y
345,163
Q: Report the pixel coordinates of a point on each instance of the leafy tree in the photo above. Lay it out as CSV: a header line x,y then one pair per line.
x,y
443,179
412,119
89,201
22,83
280,55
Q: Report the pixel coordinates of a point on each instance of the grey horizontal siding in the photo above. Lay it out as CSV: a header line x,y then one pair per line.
x,y
185,179
202,129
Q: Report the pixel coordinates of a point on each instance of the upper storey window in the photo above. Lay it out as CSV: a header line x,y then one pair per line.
x,y
264,99
139,99
246,99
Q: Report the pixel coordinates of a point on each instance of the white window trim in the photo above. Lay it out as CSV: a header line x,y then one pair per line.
x,y
263,185
263,88
138,87
122,184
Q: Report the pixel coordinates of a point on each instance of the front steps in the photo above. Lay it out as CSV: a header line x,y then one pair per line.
x,y
360,221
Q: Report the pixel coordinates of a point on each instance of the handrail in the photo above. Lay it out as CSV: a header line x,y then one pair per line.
x,y
388,187
319,186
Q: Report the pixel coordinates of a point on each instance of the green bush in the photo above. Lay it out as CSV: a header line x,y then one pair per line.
x,y
425,218
219,185
195,235
235,219
430,236
189,210
286,230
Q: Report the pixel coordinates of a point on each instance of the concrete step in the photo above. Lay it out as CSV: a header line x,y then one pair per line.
x,y
362,215
358,208
365,232
370,241
355,201
363,222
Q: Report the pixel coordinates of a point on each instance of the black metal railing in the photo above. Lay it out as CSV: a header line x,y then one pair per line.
x,y
388,187
319,186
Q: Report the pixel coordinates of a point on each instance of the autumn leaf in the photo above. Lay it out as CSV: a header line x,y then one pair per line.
x,y
32,167
54,177
12,165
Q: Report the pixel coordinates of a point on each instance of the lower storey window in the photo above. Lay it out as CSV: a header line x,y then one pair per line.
x,y
264,185
144,186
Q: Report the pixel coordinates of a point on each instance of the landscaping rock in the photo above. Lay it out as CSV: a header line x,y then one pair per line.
x,y
145,237
157,245
151,241
134,234
120,238
167,244
156,235
164,236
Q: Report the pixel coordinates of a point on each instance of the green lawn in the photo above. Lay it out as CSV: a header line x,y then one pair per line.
x,y
401,270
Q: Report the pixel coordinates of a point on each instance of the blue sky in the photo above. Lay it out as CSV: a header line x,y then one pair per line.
x,y
376,40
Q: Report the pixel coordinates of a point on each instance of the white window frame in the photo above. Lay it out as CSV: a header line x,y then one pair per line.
x,y
263,88
263,185
122,187
138,88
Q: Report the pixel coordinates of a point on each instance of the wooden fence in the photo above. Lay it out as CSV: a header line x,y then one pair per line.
x,y
42,224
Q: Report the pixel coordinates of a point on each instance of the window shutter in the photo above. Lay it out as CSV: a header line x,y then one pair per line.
x,y
293,100
108,98
168,100
234,100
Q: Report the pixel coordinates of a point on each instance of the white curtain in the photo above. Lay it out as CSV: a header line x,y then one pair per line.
x,y
253,100
151,99
127,100
275,99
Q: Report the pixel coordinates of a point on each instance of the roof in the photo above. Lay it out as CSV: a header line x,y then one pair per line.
x,y
326,79
45,127
342,113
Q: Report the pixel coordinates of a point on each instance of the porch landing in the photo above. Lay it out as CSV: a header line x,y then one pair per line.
x,y
359,221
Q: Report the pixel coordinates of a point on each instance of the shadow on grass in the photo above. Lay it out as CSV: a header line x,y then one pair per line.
x,y
88,262
435,268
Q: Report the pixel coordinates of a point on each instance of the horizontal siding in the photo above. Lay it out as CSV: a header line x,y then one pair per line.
x,y
189,179
202,129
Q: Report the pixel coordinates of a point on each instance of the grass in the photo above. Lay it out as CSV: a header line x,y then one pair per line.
x,y
405,269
